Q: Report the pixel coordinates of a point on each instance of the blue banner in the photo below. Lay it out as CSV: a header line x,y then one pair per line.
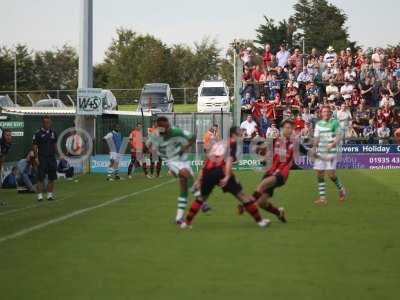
x,y
365,149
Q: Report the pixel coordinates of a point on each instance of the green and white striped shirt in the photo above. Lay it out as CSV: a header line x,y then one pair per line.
x,y
325,132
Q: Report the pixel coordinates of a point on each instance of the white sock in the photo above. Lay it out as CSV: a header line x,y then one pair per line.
x,y
40,196
49,195
182,203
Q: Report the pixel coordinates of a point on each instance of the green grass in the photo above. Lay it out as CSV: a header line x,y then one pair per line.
x,y
130,250
179,108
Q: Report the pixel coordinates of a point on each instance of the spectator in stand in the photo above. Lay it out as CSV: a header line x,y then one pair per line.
x,y
360,59
369,131
304,77
247,57
210,137
358,126
386,100
296,61
291,93
366,90
327,75
267,56
332,91
272,132
330,57
346,90
274,87
281,74
264,123
350,74
248,82
283,56
377,58
299,124
383,133
306,133
397,136
312,95
387,114
249,127
338,72
247,100
307,116
10,182
344,118
314,54
396,72
355,99
258,72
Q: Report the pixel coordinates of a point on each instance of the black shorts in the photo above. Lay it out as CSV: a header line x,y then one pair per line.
x,y
211,178
280,180
47,166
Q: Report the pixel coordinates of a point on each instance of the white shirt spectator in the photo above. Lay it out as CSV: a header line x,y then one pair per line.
x,y
283,58
330,57
272,132
250,127
377,60
344,118
386,100
383,133
332,91
350,75
346,90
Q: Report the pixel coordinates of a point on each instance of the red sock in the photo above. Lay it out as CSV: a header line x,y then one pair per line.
x,y
194,209
272,209
256,195
252,209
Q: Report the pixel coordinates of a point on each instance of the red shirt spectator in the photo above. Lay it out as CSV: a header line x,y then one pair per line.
x,y
355,99
378,119
267,56
387,115
257,73
299,123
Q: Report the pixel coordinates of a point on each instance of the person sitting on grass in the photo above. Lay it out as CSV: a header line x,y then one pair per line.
x,y
27,174
10,182
65,168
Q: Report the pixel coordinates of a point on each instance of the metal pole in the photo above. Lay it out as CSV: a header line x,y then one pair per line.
x,y
86,45
184,96
15,77
304,51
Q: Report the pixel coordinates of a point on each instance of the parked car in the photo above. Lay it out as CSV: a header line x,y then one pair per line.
x,y
5,101
212,96
56,103
156,97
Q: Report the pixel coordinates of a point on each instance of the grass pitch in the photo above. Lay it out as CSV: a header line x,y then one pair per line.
x,y
115,240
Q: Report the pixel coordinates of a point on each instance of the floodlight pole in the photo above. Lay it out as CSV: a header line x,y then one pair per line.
x,y
85,79
15,77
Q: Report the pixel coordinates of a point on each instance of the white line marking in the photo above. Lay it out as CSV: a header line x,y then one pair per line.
x,y
78,212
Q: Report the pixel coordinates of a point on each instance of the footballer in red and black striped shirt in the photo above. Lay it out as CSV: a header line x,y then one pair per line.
x,y
217,171
278,173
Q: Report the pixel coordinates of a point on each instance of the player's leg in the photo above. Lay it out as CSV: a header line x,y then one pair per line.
x,y
151,165
132,163
251,207
116,168
335,179
158,167
110,171
321,187
264,202
185,181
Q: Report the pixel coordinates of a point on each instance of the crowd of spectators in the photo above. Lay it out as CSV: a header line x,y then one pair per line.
x,y
362,90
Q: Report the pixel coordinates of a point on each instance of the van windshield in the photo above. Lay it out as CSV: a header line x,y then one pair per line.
x,y
153,99
213,91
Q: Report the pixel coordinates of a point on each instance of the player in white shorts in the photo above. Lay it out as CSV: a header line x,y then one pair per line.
x,y
325,153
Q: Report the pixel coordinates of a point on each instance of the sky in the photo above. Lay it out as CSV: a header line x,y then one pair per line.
x,y
48,24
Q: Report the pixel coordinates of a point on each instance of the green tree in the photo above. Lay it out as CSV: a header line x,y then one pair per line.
x,y
321,24
6,69
275,33
133,60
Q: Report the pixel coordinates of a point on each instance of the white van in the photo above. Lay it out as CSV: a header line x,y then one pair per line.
x,y
212,96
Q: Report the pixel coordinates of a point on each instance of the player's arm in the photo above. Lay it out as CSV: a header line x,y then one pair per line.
x,y
338,137
191,138
227,171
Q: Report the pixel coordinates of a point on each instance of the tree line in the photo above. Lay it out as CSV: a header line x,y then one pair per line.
x,y
134,59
